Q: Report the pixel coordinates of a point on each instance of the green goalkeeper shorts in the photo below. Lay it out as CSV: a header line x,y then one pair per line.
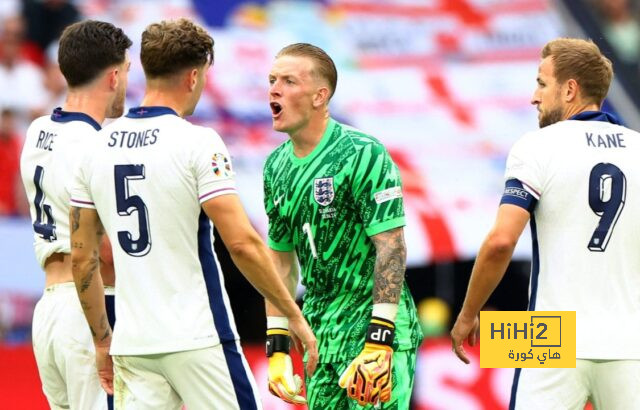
x,y
323,391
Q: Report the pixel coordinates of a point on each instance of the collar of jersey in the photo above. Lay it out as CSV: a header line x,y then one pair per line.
x,y
331,124
595,116
147,112
67,116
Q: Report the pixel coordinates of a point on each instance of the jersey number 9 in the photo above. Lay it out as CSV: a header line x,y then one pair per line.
x,y
607,193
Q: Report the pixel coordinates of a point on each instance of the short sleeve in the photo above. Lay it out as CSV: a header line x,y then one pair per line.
x,y
523,164
279,236
79,187
516,194
377,190
212,168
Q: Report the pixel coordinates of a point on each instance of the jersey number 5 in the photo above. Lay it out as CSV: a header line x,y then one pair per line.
x,y
127,204
607,193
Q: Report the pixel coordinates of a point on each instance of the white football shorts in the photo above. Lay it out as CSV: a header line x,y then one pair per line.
x,y
608,384
214,377
64,351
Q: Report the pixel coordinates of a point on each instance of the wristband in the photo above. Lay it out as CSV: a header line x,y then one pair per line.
x,y
277,341
381,331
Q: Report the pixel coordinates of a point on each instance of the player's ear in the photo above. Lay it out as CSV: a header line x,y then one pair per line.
x,y
113,78
193,79
321,97
571,90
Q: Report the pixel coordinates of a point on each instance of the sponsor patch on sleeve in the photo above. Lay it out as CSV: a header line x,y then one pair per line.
x,y
388,194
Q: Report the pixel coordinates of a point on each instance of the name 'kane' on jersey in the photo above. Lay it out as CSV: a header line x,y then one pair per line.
x,y
585,176
147,177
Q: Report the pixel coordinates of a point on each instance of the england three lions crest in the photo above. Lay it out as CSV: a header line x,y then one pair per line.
x,y
323,190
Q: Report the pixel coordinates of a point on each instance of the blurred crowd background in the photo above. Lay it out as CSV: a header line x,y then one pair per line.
x,y
444,84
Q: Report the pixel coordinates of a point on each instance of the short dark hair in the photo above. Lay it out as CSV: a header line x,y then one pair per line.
x,y
324,66
170,46
581,60
88,47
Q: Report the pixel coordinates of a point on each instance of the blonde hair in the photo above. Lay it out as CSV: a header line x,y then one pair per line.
x,y
582,61
323,64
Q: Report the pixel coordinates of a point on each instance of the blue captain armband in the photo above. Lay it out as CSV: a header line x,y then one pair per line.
x,y
516,194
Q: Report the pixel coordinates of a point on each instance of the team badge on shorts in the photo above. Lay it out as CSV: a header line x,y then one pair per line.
x,y
323,190
220,164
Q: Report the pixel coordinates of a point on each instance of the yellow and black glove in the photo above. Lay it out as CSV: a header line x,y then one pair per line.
x,y
282,382
368,377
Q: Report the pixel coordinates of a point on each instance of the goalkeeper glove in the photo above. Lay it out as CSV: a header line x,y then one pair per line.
x,y
282,382
368,377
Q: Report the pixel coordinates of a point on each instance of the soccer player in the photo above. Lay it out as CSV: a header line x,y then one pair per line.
x,y
94,60
576,180
334,200
154,181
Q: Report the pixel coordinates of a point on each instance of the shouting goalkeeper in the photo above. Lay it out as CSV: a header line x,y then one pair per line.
x,y
334,200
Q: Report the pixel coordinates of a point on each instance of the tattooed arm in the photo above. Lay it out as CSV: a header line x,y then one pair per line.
x,y
363,383
391,262
107,271
86,234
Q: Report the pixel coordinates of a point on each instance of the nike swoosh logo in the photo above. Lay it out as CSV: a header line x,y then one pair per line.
x,y
277,200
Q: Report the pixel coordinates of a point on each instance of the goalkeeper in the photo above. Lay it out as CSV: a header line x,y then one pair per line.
x,y
334,201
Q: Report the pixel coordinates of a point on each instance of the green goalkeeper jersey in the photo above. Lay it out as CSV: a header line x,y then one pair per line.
x,y
325,206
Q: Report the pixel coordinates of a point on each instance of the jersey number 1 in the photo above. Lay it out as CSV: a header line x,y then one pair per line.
x,y
127,204
306,228
607,193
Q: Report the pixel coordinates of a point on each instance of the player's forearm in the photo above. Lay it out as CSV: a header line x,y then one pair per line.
x,y
256,265
86,275
391,263
287,268
86,232
488,270
107,270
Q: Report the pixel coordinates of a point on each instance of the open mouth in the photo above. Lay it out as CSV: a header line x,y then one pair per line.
x,y
276,108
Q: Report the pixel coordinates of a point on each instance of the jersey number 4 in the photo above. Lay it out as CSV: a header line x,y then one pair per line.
x,y
607,193
44,225
127,204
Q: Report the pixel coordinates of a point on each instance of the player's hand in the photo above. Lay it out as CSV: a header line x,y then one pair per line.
x,y
368,377
301,334
282,382
104,365
464,328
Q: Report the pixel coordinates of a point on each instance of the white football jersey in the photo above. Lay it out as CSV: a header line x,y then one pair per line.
x,y
147,177
585,175
51,148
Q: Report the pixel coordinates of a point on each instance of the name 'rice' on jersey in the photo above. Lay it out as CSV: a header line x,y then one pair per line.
x,y
52,146
584,174
147,177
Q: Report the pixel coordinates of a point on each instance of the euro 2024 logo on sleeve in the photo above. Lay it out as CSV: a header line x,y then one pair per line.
x,y
220,164
323,190
527,339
